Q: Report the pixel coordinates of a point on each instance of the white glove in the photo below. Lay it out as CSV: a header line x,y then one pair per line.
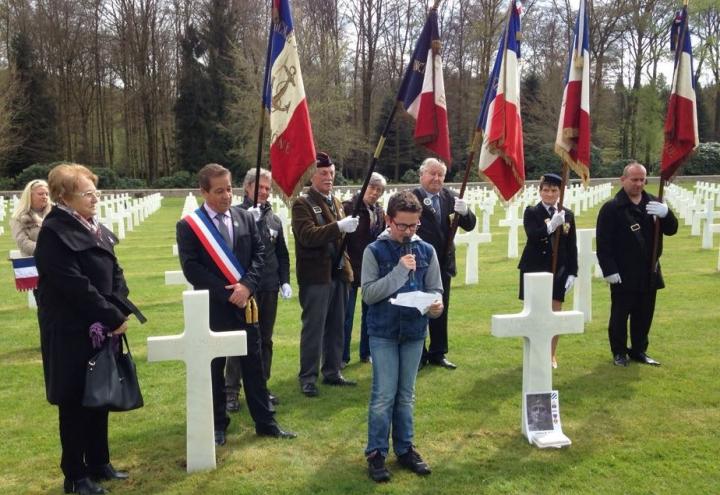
x,y
613,279
285,291
255,213
461,207
660,210
569,283
348,224
556,221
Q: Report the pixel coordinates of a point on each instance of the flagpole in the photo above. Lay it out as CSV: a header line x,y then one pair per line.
x,y
376,156
259,153
556,244
679,43
477,139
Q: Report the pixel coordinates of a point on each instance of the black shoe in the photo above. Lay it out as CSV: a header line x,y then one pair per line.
x,y
444,363
412,460
273,399
84,486
274,431
644,358
309,389
367,359
423,363
107,473
219,437
620,360
376,468
339,381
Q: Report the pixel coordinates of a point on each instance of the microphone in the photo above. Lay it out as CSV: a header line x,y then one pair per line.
x,y
407,249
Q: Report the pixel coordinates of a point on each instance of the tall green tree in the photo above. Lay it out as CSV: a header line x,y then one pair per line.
x,y
32,112
219,30
192,114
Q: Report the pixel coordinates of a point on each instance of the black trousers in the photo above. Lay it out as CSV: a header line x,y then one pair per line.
x,y
438,327
84,439
639,307
256,394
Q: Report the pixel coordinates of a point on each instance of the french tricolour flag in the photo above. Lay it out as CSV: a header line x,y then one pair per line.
x,y
26,274
292,150
681,126
422,92
502,158
572,142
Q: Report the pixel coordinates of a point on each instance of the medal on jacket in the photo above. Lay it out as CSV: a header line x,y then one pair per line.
x,y
427,202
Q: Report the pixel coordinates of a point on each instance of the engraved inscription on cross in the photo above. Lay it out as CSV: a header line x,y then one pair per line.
x,y
198,346
537,324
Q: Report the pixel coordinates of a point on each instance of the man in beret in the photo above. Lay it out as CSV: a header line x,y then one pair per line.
x,y
541,223
439,203
323,274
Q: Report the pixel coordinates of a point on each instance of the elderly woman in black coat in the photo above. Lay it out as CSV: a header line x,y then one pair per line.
x,y
80,284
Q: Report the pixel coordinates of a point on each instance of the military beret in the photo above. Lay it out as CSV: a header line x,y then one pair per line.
x,y
323,159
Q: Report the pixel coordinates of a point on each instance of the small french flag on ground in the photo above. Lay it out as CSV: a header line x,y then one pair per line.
x,y
26,274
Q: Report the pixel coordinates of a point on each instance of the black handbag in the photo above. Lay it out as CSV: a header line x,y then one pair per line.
x,y
111,380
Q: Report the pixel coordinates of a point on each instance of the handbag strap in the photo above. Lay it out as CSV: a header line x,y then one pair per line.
x,y
127,345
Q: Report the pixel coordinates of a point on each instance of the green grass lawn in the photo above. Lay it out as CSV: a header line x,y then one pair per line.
x,y
635,430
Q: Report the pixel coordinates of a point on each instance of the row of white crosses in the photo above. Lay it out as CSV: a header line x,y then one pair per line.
x,y
698,209
121,213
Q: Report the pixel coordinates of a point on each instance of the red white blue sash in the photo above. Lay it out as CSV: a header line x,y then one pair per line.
x,y
209,236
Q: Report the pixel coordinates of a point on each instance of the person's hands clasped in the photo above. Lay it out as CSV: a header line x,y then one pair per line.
x,y
240,294
121,329
613,279
348,224
408,261
285,291
656,208
556,221
460,207
436,309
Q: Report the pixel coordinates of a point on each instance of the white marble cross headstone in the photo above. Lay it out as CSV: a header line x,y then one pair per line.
x,y
472,239
513,222
198,346
582,295
537,324
177,277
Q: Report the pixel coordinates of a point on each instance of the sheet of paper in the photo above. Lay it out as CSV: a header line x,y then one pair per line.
x,y
416,299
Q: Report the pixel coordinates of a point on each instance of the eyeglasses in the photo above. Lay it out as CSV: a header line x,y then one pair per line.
x,y
89,194
402,227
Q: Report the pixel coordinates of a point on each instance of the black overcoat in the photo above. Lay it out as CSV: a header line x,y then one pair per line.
x,y
80,283
436,233
365,234
538,251
620,249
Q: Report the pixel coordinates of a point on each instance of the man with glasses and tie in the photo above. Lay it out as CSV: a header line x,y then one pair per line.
x,y
439,203
541,223
323,274
217,243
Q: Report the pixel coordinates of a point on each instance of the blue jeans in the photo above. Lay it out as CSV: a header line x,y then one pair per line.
x,y
349,316
395,366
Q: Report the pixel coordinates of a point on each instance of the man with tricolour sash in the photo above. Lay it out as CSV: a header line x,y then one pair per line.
x,y
221,251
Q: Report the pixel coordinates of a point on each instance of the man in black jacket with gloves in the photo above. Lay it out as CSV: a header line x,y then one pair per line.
x,y
439,203
625,233
275,277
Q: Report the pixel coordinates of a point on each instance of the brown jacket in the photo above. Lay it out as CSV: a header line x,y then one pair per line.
x,y
316,245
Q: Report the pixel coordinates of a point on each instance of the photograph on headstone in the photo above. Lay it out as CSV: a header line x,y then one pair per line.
x,y
539,412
